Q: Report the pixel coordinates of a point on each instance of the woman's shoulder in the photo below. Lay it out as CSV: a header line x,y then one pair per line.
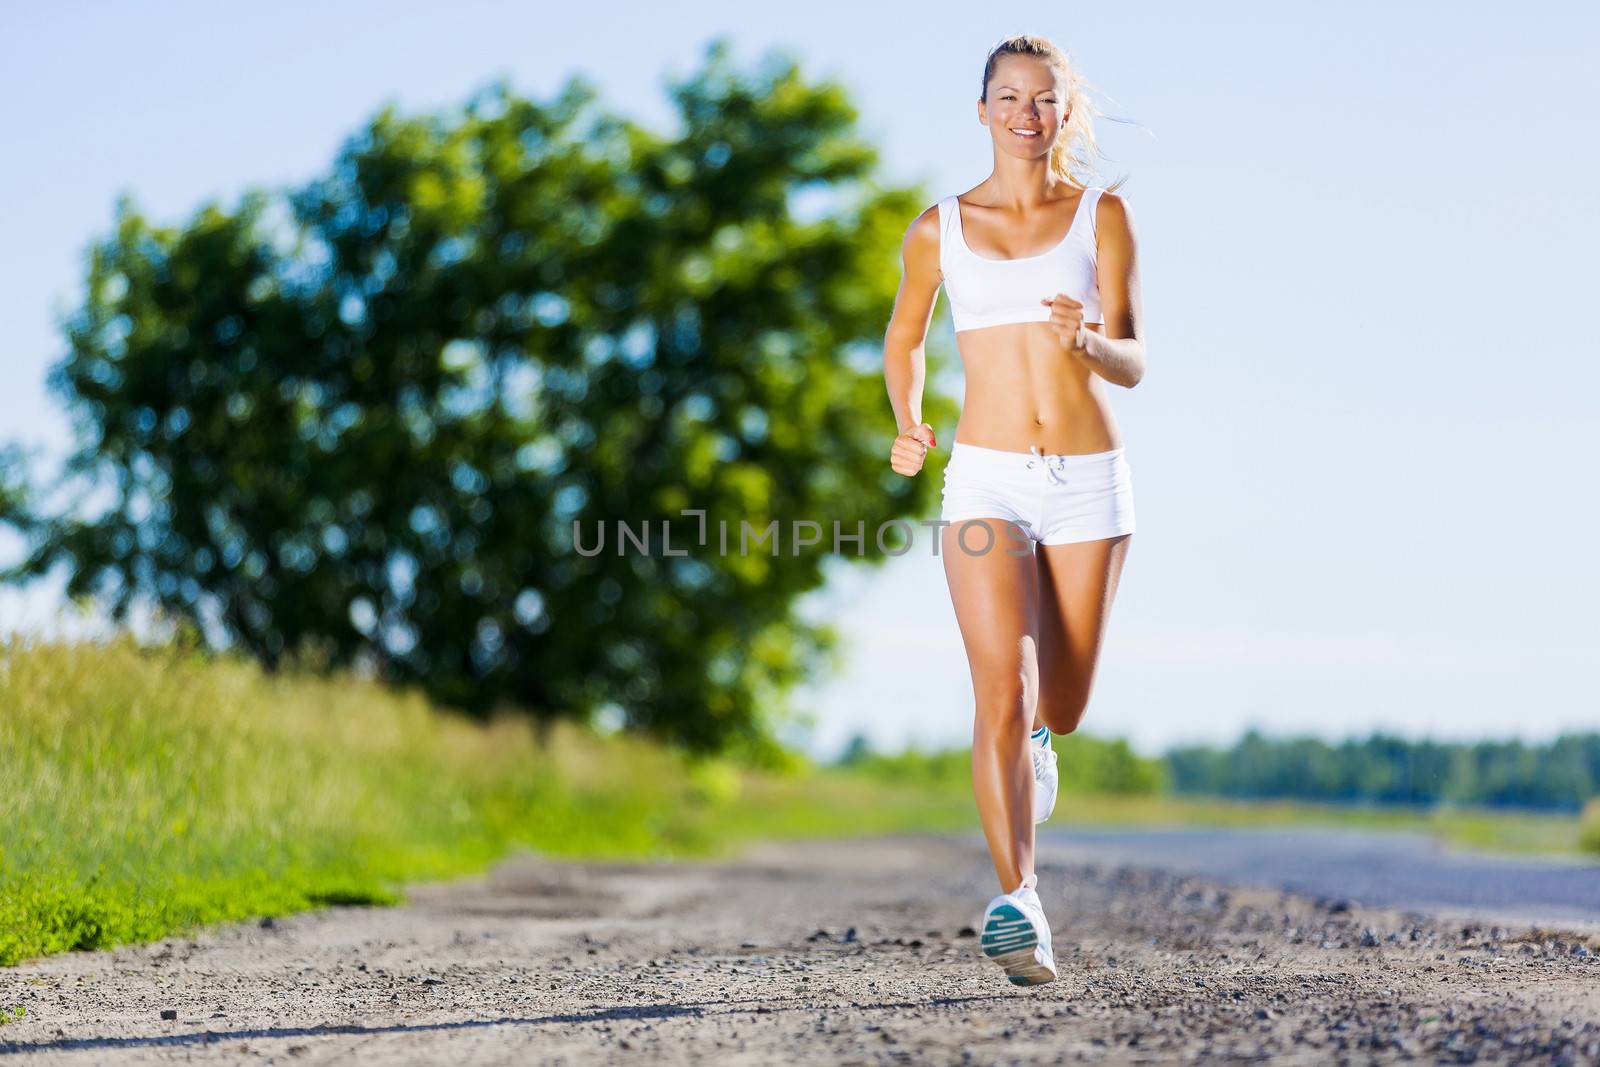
x,y
921,244
935,212
1108,201
926,225
932,220
1111,210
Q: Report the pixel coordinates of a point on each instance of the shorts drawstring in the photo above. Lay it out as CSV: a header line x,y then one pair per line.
x,y
1056,499
1052,464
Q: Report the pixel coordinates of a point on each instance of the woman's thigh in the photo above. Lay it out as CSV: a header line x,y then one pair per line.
x,y
1077,586
995,594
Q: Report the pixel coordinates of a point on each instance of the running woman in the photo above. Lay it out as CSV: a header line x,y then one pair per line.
x,y
1040,272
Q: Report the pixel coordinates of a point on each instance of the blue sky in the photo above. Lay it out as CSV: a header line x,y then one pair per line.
x,y
1367,235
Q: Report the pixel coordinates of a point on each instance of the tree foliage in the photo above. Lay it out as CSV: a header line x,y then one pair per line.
x,y
1088,765
1561,774
362,416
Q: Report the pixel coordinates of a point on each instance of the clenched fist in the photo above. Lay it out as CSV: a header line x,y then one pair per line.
x,y
911,448
1066,319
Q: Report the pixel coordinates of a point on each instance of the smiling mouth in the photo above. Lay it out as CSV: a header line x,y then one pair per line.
x,y
1025,134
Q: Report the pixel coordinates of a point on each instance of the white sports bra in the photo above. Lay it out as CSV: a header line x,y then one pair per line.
x,y
988,292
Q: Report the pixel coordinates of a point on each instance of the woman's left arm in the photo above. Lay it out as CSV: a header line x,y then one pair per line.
x,y
1116,350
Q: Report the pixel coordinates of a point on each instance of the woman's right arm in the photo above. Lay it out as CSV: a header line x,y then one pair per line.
x,y
904,343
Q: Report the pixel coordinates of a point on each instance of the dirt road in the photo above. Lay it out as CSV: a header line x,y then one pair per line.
x,y
855,952
1388,869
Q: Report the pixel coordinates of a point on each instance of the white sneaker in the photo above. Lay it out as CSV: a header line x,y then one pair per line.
x,y
1045,780
1015,935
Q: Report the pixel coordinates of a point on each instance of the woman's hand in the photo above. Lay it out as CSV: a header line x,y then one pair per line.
x,y
1066,319
911,448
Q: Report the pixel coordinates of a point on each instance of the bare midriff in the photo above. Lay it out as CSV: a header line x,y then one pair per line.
x,y
1024,389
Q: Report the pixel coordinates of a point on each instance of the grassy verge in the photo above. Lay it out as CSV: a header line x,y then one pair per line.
x,y
148,791
1533,833
1103,783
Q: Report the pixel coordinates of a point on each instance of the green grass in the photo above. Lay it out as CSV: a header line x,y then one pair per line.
x,y
1104,784
145,792
1534,833
1589,827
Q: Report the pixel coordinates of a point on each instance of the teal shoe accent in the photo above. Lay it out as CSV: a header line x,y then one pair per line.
x,y
1010,940
1007,930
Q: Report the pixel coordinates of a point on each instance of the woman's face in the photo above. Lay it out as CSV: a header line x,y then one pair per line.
x,y
1025,108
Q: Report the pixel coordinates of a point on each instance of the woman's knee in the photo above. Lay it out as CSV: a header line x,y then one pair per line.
x,y
1002,703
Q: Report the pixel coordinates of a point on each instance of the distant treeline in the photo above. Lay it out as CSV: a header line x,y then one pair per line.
x,y
1560,775
1087,764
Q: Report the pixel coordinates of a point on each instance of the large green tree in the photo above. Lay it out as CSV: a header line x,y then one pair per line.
x,y
361,416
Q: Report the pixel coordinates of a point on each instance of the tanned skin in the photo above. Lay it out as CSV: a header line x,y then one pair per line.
x,y
1032,624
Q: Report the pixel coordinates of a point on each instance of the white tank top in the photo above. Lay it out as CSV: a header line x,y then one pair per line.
x,y
988,292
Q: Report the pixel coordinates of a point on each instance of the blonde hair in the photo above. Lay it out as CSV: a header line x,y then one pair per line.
x,y
1075,148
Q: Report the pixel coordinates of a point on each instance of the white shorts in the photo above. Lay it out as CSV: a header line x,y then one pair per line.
x,y
1054,498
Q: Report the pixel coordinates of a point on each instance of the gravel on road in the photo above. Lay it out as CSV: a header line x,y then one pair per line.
x,y
854,952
